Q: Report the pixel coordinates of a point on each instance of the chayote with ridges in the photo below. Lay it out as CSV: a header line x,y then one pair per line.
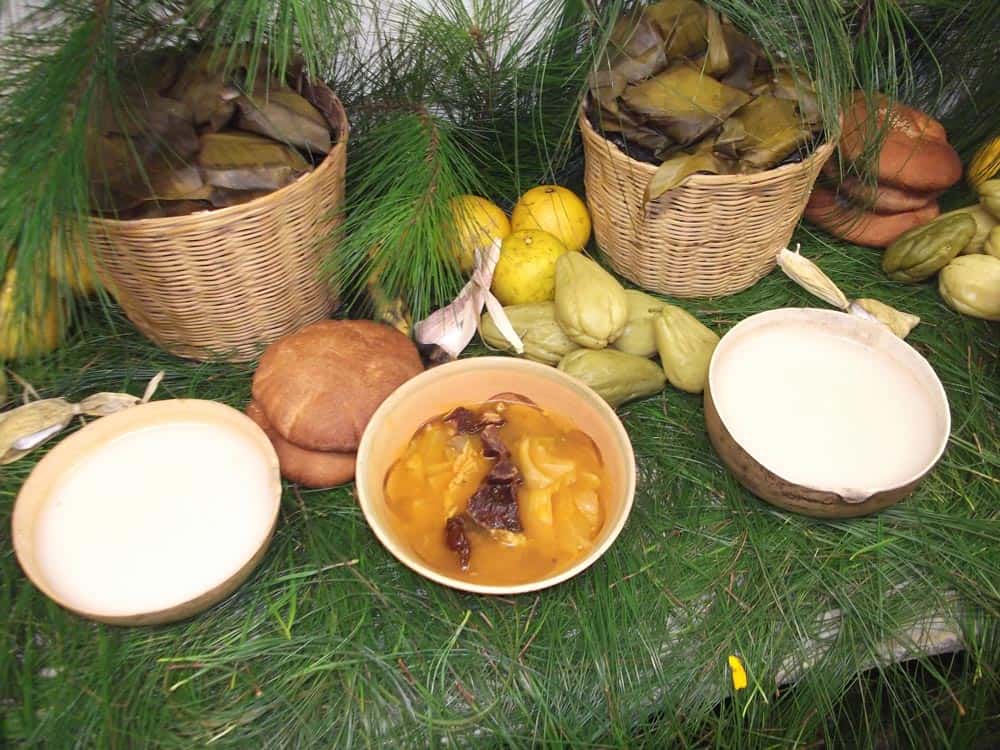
x,y
923,251
616,376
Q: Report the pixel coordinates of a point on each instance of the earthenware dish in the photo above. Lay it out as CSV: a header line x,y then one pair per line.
x,y
258,461
844,497
473,380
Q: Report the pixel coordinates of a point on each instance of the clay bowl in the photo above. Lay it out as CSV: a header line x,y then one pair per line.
x,y
440,389
823,413
173,539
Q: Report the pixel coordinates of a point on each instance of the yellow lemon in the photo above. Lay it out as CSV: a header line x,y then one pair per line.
x,y
556,210
526,271
478,222
34,333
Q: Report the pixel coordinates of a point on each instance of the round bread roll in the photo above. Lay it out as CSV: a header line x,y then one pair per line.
x,y
315,469
915,154
850,223
320,385
882,199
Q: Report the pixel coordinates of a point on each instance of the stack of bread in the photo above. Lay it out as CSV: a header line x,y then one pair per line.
x,y
914,165
315,390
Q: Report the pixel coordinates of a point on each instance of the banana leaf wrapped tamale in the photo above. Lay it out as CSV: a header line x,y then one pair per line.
x,y
683,102
196,132
246,161
680,86
285,116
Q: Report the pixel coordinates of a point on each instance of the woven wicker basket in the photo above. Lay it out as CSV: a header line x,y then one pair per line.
x,y
714,235
223,284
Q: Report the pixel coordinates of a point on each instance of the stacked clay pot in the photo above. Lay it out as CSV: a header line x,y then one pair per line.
x,y
914,165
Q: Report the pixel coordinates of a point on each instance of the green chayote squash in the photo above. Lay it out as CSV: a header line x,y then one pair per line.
x,y
638,336
989,197
591,305
685,346
971,285
992,244
984,224
923,251
616,376
543,339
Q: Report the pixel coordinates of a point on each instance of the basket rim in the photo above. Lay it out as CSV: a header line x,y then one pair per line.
x,y
711,180
264,201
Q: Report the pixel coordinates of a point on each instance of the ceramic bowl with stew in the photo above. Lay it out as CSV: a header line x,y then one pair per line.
x,y
476,380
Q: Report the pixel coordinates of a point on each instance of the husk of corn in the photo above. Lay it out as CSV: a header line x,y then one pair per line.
x,y
26,427
808,275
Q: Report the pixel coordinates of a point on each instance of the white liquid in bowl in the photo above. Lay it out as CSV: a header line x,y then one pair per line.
x,y
825,411
154,518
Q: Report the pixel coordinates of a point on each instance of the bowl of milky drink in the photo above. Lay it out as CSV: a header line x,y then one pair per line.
x,y
149,515
823,413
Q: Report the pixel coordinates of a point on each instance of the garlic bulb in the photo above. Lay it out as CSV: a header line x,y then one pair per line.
x,y
452,327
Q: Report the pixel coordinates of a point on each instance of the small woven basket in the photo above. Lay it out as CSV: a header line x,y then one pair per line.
x,y
223,284
714,235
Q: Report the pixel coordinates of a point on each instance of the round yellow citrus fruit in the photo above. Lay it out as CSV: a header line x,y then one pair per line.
x,y
478,222
29,334
556,210
526,271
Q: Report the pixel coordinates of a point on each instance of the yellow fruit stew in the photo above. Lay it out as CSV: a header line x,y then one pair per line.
x,y
498,493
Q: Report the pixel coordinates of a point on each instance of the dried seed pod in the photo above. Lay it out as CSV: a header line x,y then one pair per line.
x,y
27,427
808,275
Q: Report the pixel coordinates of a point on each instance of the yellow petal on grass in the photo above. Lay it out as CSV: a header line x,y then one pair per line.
x,y
739,674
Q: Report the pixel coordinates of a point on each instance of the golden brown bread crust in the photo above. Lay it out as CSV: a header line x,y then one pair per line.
x,y
315,469
915,154
881,199
320,385
862,227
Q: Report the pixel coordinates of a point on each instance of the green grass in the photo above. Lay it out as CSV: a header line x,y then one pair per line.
x,y
332,643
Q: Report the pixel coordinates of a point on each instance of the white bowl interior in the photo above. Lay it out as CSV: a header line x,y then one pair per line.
x,y
98,528
438,390
829,401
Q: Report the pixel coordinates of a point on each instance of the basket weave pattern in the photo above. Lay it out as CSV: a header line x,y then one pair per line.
x,y
714,235
225,283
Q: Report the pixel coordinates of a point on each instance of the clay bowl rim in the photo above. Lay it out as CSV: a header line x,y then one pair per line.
x,y
46,476
909,357
478,366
